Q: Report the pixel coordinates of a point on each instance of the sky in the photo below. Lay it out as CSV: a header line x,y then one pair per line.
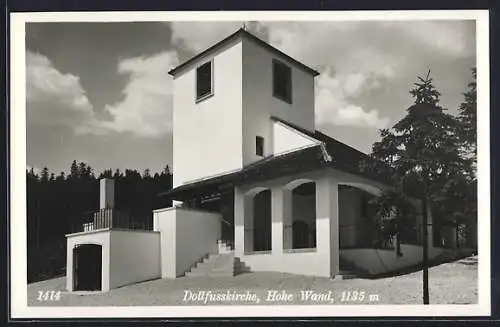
x,y
100,92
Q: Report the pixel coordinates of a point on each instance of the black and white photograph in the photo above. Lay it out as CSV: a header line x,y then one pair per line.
x,y
271,163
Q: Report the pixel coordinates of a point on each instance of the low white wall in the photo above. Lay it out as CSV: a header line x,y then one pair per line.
x,y
301,263
197,235
134,256
164,222
377,261
186,237
100,237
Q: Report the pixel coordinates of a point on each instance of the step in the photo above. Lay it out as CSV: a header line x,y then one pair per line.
x,y
217,260
221,264
347,275
220,274
208,269
349,270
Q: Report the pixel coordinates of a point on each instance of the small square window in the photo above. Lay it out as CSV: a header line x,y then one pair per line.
x,y
282,81
204,79
259,146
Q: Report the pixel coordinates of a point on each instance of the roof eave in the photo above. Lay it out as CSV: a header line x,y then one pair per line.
x,y
239,33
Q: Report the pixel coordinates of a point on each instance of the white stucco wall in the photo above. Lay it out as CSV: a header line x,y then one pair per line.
x,y
134,256
298,262
286,139
101,237
324,260
164,221
259,104
317,262
197,235
242,104
382,261
128,256
207,135
186,237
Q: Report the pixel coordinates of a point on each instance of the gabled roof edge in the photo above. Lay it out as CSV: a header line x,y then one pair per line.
x,y
244,33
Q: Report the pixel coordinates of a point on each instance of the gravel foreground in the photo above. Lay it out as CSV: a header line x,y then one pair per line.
x,y
449,283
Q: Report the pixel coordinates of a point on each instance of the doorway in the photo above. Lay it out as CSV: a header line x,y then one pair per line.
x,y
87,267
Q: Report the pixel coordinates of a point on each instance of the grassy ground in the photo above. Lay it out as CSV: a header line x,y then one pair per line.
x,y
450,283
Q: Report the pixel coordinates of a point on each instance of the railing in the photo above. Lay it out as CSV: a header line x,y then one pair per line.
x,y
294,238
109,218
229,243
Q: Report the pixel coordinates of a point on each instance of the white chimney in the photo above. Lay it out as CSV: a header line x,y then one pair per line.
x,y
107,193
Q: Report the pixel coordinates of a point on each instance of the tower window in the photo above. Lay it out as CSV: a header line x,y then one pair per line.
x,y
259,146
204,81
282,81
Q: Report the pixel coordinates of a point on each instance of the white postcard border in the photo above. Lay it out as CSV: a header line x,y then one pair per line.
x,y
18,241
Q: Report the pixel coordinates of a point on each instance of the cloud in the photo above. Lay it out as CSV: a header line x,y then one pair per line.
x,y
357,60
146,109
304,41
197,36
354,57
55,98
334,105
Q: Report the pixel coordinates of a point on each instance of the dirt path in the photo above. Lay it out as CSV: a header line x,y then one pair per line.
x,y
451,283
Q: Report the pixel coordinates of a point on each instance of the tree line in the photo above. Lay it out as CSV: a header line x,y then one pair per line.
x,y
56,202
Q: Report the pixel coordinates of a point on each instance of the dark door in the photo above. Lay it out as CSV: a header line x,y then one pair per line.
x,y
87,263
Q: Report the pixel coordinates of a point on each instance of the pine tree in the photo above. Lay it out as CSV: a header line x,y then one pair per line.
x,y
82,170
44,177
61,177
73,170
423,151
468,128
166,170
32,174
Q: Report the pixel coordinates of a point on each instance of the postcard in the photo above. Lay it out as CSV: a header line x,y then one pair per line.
x,y
280,164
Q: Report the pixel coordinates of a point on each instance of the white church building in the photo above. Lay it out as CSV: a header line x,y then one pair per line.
x,y
255,186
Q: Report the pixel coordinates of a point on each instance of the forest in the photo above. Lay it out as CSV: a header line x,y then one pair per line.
x,y
55,202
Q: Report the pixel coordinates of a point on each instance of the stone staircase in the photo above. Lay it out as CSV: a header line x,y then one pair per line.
x,y
349,271
222,264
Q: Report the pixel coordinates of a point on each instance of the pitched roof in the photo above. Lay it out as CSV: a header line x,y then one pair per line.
x,y
243,33
329,153
276,166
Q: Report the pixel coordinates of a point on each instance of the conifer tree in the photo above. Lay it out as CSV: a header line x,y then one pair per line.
x,y
423,151
468,128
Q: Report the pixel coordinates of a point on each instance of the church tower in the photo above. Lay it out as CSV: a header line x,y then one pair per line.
x,y
224,99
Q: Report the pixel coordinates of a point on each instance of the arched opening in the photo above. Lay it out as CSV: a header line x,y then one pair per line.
x,y
258,221
300,215
87,267
357,225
